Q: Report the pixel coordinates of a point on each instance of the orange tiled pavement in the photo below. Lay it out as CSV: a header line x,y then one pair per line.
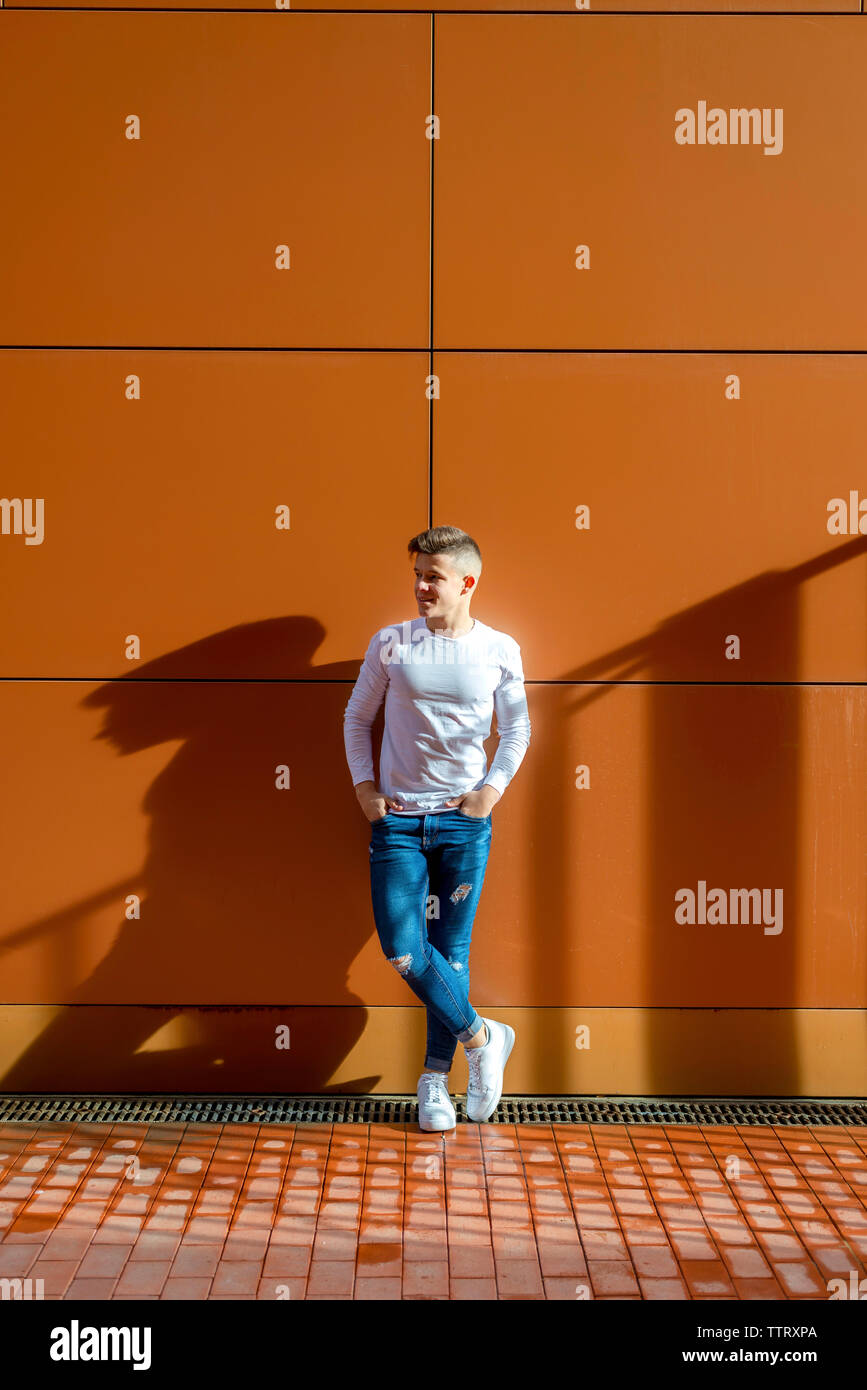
x,y
110,1211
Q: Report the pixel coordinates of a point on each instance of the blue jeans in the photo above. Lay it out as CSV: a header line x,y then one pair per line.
x,y
426,876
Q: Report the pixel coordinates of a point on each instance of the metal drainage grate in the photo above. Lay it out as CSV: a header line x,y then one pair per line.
x,y
328,1109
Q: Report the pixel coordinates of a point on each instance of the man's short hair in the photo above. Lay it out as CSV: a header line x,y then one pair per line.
x,y
461,549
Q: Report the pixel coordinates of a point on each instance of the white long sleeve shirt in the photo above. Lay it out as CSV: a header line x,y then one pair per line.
x,y
439,693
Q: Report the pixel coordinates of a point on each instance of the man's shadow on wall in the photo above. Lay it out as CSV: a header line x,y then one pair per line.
x,y
249,893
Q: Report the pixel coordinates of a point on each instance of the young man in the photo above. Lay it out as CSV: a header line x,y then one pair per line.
x,y
441,674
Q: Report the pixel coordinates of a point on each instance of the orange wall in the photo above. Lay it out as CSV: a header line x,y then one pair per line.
x,y
227,381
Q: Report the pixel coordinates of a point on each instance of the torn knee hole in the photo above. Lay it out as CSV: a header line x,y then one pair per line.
x,y
400,963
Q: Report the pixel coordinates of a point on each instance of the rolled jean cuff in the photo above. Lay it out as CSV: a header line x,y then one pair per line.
x,y
467,1033
438,1064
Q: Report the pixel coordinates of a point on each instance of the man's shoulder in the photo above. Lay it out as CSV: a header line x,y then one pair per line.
x,y
391,635
504,640
400,631
404,629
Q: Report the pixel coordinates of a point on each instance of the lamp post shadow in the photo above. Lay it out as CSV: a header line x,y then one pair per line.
x,y
721,803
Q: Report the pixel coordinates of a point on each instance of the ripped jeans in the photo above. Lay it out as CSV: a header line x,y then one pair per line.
x,y
426,876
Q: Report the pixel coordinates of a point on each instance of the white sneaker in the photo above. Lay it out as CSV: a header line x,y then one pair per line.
x,y
486,1065
435,1108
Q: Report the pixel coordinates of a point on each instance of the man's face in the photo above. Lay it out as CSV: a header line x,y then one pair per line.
x,y
438,586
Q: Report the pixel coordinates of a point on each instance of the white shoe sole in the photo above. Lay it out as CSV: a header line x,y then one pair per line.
x,y
507,1052
433,1128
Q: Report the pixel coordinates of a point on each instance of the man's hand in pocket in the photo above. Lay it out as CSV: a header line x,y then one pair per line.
x,y
374,805
477,804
